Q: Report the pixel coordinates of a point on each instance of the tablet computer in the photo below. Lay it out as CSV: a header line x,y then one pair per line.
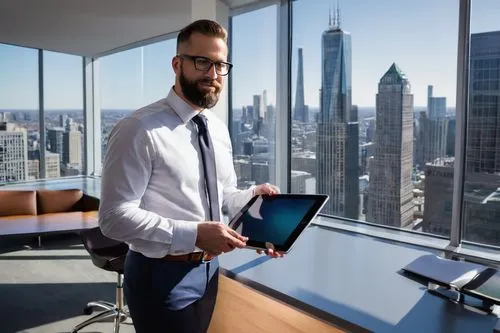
x,y
276,221
485,286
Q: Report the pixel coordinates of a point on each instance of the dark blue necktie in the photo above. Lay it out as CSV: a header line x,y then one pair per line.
x,y
208,158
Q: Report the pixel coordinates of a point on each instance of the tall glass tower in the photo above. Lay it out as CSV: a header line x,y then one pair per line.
x,y
483,126
390,193
301,110
337,133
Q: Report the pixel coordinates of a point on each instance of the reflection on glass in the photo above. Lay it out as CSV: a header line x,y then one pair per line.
x,y
133,79
252,122
373,110
481,205
19,125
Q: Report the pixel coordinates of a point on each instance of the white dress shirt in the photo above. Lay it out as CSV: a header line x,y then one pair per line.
x,y
153,188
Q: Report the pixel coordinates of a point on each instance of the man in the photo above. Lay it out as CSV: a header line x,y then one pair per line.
x,y
161,191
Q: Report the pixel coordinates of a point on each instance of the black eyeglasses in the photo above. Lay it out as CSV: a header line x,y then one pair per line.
x,y
204,64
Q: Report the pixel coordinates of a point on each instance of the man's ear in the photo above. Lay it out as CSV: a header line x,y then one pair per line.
x,y
176,65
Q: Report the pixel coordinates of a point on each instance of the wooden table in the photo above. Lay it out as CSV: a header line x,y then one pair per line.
x,y
47,223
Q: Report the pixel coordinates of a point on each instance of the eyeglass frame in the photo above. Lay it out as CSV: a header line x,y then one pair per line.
x,y
210,61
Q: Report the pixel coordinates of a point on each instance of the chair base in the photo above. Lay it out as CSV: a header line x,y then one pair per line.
x,y
110,311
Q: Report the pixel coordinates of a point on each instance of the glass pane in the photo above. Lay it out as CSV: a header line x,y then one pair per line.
x,y
373,109
252,120
64,126
481,209
19,125
133,79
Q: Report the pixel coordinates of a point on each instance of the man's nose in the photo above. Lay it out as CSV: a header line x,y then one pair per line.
x,y
212,72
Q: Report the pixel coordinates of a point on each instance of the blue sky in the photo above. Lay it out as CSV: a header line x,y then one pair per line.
x,y
420,36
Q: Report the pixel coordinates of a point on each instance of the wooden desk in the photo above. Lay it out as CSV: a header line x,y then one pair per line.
x,y
47,223
242,309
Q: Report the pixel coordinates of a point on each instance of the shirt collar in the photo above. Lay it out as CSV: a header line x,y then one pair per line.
x,y
180,107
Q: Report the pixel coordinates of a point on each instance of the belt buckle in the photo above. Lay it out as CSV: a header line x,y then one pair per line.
x,y
205,255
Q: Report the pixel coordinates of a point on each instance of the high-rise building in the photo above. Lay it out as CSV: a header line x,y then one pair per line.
x,y
390,190
258,106
431,139
55,140
436,106
72,153
436,128
52,165
483,124
480,204
62,120
301,110
33,169
13,153
450,136
438,197
337,133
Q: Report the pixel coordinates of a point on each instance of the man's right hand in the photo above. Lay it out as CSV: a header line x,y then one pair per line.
x,y
216,238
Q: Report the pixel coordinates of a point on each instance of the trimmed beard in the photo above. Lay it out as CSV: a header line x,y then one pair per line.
x,y
194,94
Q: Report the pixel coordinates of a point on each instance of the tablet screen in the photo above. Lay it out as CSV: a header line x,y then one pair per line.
x,y
277,219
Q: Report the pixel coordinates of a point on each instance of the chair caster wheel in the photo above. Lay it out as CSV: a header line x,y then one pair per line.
x,y
87,310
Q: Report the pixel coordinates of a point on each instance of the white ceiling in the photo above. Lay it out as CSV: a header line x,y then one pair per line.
x,y
93,27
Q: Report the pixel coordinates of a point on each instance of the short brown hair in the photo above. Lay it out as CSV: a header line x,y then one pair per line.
x,y
204,27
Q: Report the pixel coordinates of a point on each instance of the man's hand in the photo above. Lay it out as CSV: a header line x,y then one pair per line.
x,y
216,238
266,189
272,253
269,190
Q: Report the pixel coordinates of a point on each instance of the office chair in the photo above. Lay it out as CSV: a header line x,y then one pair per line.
x,y
109,255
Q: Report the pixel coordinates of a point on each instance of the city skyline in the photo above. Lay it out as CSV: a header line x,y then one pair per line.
x,y
368,167
136,77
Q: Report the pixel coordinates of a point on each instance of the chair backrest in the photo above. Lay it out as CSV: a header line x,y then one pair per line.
x,y
17,203
57,201
106,253
93,239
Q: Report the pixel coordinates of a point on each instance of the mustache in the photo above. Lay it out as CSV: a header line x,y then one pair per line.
x,y
211,82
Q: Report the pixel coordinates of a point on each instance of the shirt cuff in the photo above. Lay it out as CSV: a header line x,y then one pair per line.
x,y
184,237
248,195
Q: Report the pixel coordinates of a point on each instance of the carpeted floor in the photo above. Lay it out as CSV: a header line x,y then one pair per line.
x,y
44,290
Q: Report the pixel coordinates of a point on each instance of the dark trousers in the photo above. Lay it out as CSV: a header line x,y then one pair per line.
x,y
162,296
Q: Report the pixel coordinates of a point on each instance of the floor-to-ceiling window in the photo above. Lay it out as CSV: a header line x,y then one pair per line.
x,y
63,109
133,79
481,197
19,116
373,109
253,95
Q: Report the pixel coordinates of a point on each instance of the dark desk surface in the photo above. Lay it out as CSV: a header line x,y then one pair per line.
x,y
47,223
344,277
348,279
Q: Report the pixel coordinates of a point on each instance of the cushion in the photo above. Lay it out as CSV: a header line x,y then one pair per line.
x,y
57,201
17,203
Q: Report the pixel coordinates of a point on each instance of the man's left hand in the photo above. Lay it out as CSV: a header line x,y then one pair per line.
x,y
268,189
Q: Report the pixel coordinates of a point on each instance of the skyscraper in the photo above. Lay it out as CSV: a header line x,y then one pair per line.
x,y
483,126
437,127
72,153
52,165
55,140
390,192
301,110
436,106
337,133
13,153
